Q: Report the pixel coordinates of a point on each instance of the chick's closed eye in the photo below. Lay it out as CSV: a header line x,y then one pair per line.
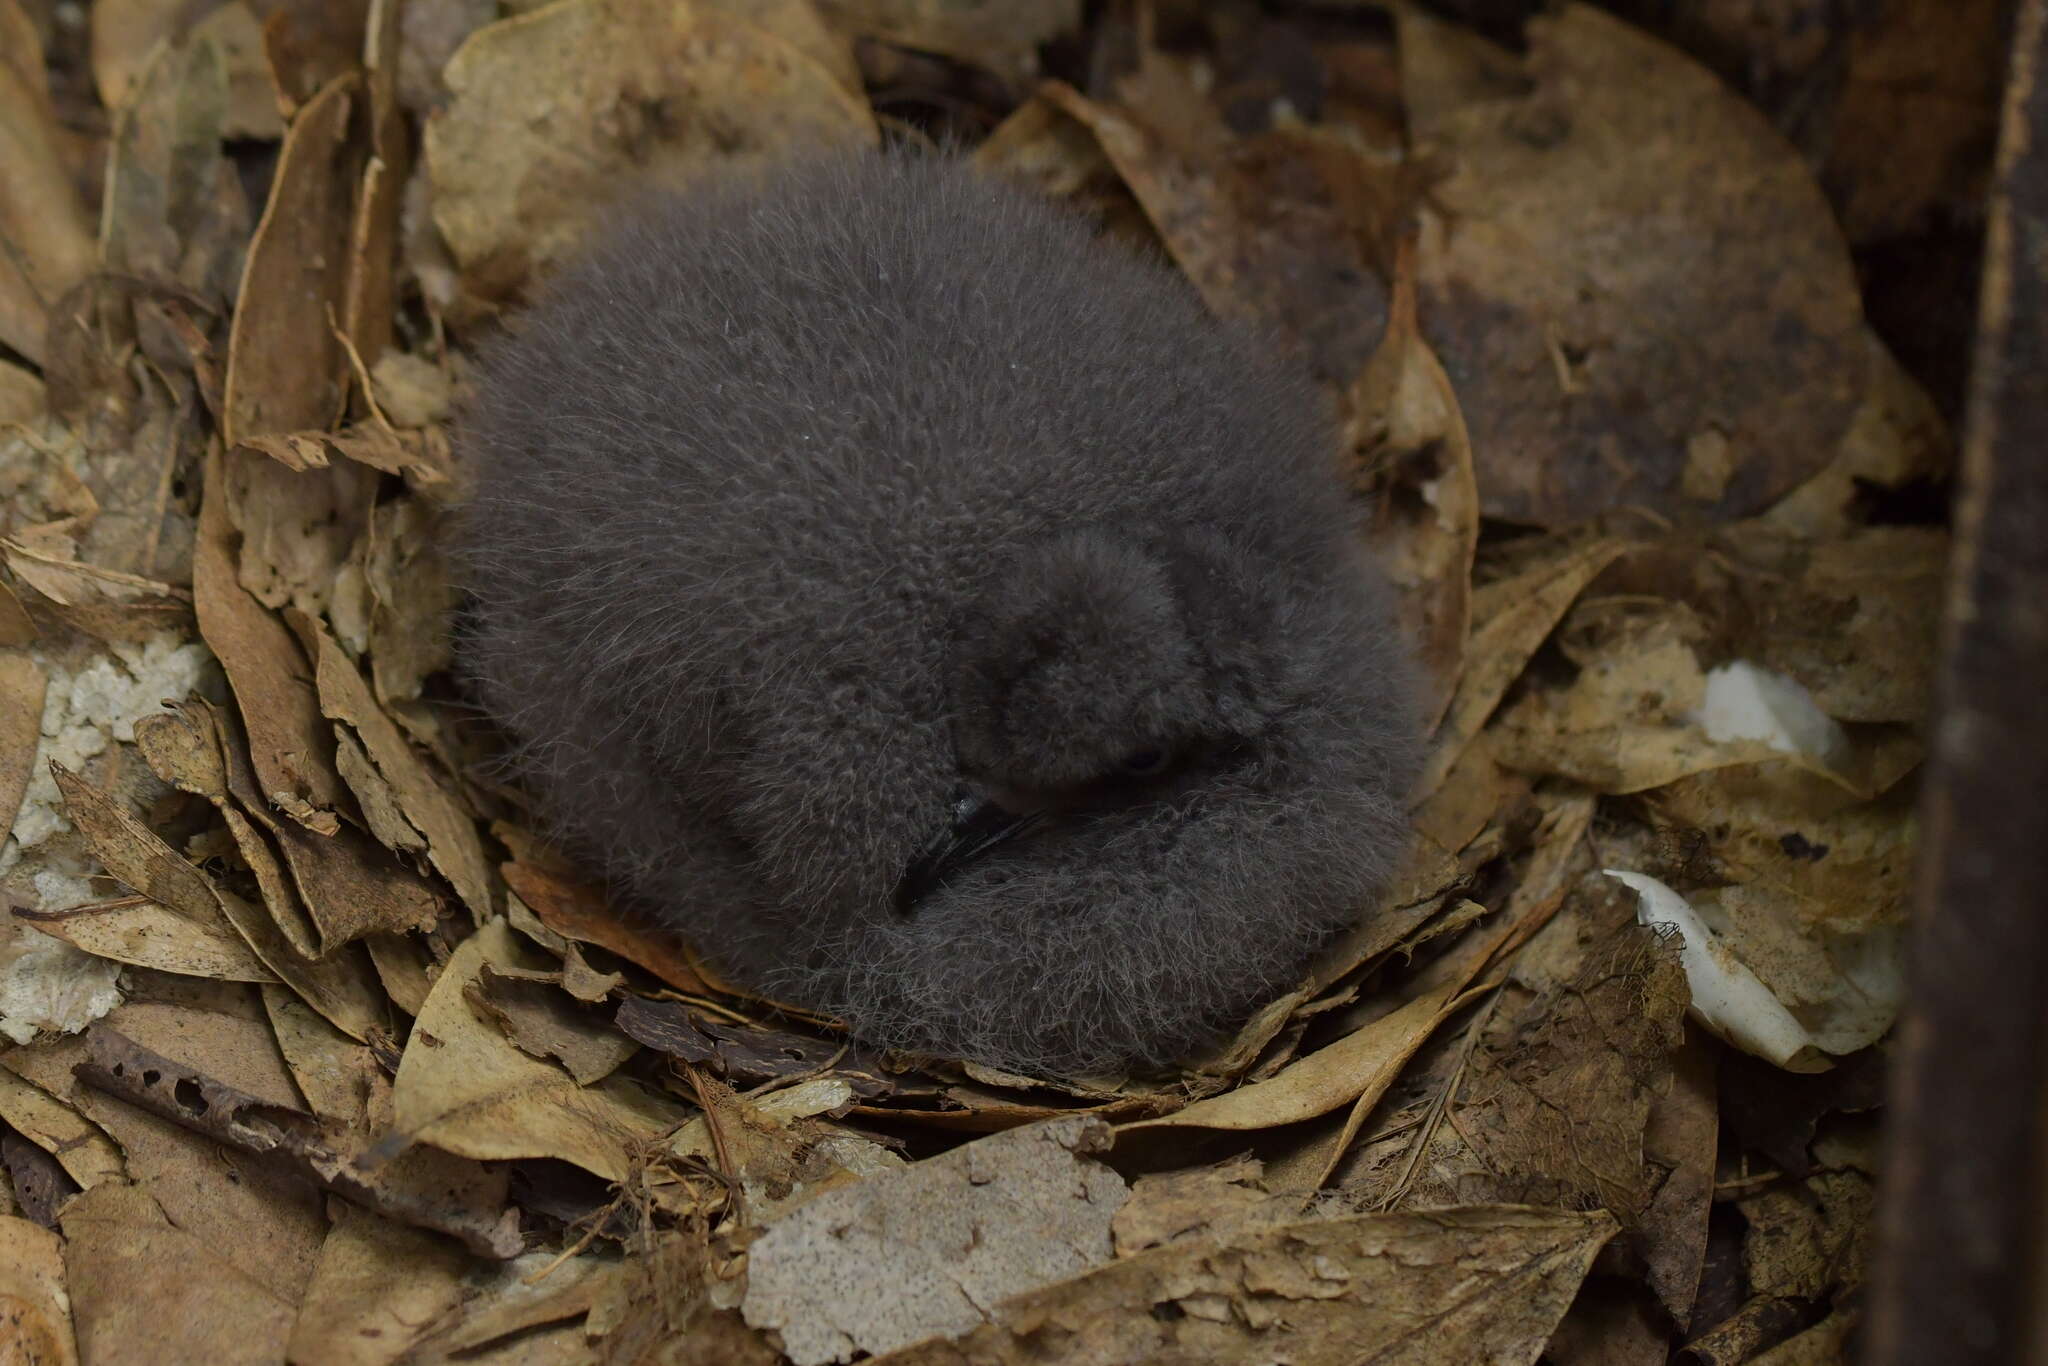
x,y
933,615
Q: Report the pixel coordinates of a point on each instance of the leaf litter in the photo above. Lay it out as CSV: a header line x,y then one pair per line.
x,y
300,1005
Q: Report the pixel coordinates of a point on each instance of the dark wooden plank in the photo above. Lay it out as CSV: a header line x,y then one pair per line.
x,y
1965,1202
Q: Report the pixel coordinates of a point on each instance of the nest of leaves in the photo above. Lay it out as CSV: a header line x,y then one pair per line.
x,y
320,1054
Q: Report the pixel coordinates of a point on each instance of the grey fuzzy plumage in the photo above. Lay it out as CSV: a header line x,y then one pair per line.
x,y
806,497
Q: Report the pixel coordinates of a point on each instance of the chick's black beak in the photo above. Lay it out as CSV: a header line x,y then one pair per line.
x,y
979,825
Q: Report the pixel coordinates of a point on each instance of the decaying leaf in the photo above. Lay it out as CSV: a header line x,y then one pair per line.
x,y
1475,1284
543,1021
107,603
178,213
34,1307
1636,286
1681,1136
43,224
518,1301
1409,432
1511,619
342,887
551,109
22,686
450,833
117,1244
465,1087
1000,35
297,526
578,911
149,934
1258,237
922,1251
286,367
376,1283
85,1152
339,987
290,744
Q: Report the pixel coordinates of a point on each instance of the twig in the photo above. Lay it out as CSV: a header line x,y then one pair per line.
x,y
288,1139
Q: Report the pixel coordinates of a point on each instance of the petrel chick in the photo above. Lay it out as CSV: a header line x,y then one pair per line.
x,y
934,616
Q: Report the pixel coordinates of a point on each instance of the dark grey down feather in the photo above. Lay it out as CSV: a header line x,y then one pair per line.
x,y
832,522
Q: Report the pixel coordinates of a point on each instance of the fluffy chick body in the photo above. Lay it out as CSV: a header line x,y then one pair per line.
x,y
810,500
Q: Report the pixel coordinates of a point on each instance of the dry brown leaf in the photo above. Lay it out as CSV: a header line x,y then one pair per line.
x,y
1681,1137
746,1053
402,963
1455,1285
339,987
346,887
1830,1342
102,602
1409,438
1808,1239
22,46
1857,625
1511,619
1167,1206
578,911
1254,232
252,97
1624,725
22,686
1361,1064
35,1310
379,800
802,24
81,1147
183,749
922,1251
1635,282
48,239
176,212
1473,794
22,396
412,597
1814,890
371,291
464,1087
554,112
543,1021
331,1070
286,368
1918,100
1549,1104
772,1151
517,1300
124,34
129,1312
422,457
1002,36
452,845
149,934
290,745
137,858
1897,437
297,527
376,1283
